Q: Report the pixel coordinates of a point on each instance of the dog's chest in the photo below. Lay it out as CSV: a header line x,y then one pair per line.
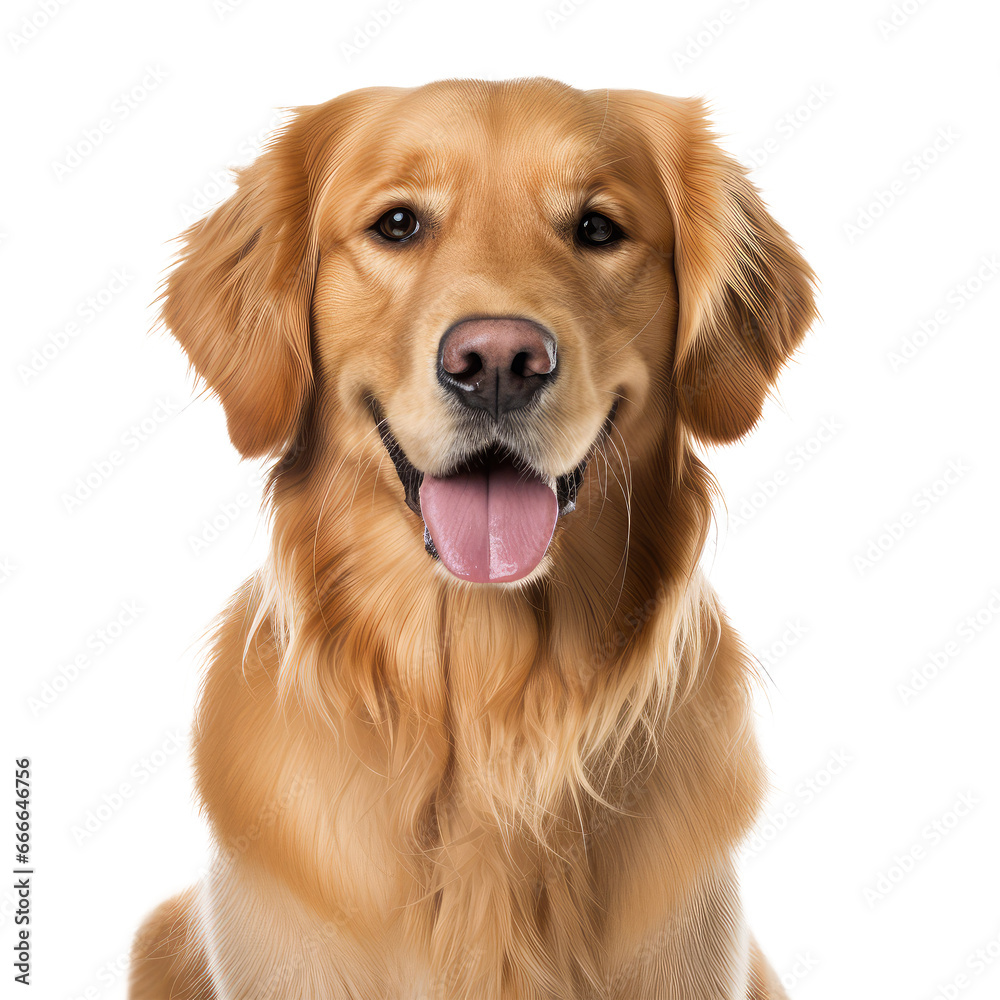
x,y
462,902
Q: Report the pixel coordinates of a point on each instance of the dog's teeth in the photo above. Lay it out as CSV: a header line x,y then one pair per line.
x,y
429,544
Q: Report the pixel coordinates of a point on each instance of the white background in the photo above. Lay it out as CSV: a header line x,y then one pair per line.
x,y
862,769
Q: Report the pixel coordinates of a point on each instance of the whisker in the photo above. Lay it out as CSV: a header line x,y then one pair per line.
x,y
642,328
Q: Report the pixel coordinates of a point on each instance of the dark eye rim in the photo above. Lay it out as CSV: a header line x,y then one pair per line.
x,y
617,233
386,237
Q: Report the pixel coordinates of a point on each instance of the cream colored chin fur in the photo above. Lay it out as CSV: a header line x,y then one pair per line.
x,y
420,788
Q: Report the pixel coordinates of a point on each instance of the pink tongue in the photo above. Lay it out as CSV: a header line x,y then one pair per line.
x,y
490,524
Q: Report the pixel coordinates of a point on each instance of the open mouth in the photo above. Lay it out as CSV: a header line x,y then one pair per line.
x,y
491,519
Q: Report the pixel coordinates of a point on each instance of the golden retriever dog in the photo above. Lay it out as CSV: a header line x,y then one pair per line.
x,y
479,728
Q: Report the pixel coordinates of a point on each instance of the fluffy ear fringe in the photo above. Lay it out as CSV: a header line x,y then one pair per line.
x,y
239,297
745,293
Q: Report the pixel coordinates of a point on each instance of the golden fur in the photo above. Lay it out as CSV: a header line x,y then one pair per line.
x,y
420,787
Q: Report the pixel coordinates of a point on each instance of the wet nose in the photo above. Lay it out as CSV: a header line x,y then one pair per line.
x,y
496,364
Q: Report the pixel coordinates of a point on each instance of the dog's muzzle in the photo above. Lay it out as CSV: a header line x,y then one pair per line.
x,y
491,518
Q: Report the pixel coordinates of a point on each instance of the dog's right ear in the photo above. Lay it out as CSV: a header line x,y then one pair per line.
x,y
239,298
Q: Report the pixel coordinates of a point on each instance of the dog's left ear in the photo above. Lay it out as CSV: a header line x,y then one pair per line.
x,y
239,298
745,293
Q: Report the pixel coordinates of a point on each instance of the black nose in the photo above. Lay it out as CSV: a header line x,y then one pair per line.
x,y
496,364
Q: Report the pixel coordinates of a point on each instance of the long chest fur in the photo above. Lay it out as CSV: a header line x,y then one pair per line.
x,y
470,864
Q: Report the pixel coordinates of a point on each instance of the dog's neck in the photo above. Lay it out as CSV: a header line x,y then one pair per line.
x,y
369,626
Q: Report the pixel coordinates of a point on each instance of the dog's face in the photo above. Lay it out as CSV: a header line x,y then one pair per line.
x,y
482,281
486,281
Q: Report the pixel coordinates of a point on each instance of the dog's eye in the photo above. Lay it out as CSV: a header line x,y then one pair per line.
x,y
598,230
398,224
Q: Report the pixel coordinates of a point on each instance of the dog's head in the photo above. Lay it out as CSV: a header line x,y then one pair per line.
x,y
487,281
